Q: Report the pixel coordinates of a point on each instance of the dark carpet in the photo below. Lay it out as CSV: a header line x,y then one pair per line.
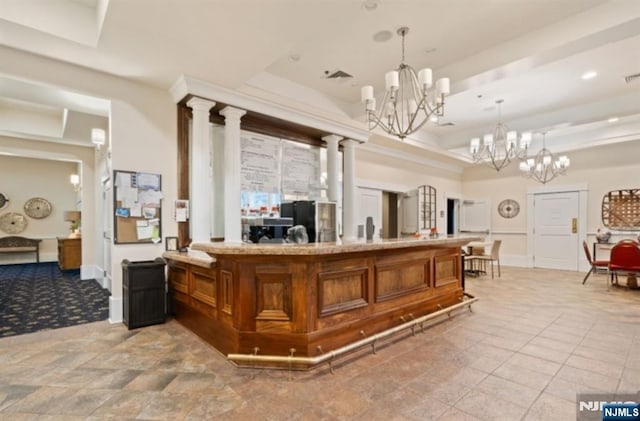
x,y
40,296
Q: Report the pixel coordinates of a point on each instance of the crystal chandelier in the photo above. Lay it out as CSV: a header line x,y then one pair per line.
x,y
409,102
500,147
542,167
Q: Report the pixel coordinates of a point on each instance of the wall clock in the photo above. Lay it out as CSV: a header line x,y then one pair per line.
x,y
4,200
13,222
508,208
37,208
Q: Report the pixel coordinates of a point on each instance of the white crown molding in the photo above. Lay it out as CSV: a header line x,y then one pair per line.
x,y
186,85
388,152
381,185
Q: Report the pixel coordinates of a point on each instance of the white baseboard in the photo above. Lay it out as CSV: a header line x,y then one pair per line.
x,y
523,262
97,273
115,310
514,260
88,272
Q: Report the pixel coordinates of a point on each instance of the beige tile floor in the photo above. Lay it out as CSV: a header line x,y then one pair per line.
x,y
535,338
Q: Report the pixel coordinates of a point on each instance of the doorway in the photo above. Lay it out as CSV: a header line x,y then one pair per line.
x,y
389,214
453,209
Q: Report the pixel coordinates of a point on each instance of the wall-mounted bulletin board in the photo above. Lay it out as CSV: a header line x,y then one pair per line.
x,y
137,198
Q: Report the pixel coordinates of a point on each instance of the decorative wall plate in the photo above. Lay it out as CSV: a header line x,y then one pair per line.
x,y
4,200
508,208
13,222
37,208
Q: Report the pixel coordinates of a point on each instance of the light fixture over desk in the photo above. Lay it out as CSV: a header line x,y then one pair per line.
x,y
74,218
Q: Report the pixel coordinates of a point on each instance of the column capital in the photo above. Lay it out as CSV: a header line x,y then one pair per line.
x,y
197,103
349,143
232,112
332,139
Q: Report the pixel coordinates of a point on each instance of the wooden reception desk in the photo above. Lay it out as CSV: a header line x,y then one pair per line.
x,y
306,300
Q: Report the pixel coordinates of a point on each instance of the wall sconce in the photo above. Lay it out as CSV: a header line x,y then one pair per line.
x,y
98,137
75,180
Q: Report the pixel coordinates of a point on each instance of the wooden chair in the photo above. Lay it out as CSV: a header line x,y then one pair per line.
x,y
494,256
595,264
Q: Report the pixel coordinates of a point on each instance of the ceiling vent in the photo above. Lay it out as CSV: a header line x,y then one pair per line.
x,y
631,78
338,74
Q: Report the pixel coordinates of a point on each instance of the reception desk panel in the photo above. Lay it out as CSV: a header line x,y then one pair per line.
x,y
283,300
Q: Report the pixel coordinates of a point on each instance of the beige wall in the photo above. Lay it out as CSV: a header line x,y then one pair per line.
x,y
25,178
602,169
143,138
375,170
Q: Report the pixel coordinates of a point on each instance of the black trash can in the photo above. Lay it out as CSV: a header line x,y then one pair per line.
x,y
143,292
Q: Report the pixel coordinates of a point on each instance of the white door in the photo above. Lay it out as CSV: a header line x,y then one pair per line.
x,y
556,217
107,215
370,204
409,212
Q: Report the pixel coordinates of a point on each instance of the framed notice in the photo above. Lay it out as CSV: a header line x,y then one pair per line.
x,y
300,168
259,163
137,211
171,243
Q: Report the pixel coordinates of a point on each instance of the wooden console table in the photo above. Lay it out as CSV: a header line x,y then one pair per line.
x,y
69,253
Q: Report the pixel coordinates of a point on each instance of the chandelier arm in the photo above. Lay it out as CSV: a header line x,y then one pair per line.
x,y
499,164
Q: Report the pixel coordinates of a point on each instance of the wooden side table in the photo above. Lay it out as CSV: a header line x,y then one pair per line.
x,y
69,253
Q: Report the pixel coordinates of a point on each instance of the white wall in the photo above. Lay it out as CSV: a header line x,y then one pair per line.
x,y
143,138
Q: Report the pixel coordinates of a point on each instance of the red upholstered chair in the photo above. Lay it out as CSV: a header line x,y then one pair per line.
x,y
595,264
625,257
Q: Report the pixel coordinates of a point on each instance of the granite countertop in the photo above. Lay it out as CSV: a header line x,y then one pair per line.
x,y
194,257
331,247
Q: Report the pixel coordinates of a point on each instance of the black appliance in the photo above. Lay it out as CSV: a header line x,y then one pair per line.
x,y
317,217
269,229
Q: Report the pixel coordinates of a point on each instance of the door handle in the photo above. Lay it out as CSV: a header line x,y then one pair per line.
x,y
574,225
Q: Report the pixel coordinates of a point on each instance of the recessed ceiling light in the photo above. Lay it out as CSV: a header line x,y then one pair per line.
x,y
370,5
430,50
589,75
382,36
613,119
294,57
